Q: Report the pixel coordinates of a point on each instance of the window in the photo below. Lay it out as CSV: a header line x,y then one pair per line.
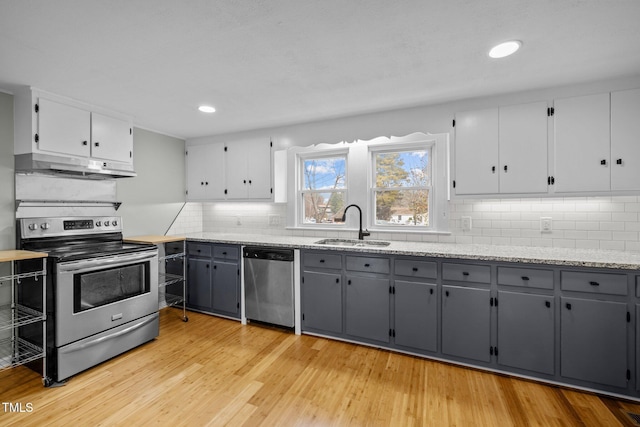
x,y
401,187
323,189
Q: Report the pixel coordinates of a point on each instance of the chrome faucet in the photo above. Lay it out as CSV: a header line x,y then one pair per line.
x,y
361,234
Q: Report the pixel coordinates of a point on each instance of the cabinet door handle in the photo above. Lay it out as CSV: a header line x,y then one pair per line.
x,y
431,291
337,280
505,168
619,162
245,181
215,267
547,304
594,283
84,143
493,169
446,293
201,183
603,162
97,144
249,182
568,306
349,282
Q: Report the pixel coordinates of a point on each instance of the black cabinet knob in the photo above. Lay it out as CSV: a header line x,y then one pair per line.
x,y
619,162
505,168
97,144
493,169
547,304
84,143
603,162
568,306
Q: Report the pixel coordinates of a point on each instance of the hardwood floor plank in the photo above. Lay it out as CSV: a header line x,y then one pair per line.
x,y
213,371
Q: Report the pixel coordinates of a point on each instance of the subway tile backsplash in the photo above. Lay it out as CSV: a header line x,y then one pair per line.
x,y
611,223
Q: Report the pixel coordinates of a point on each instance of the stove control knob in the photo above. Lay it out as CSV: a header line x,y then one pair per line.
x,y
33,227
114,223
98,223
106,223
45,226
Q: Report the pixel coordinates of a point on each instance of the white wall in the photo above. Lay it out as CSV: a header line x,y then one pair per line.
x,y
587,222
7,199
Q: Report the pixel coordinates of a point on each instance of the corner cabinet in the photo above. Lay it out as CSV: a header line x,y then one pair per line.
x,y
52,124
218,171
23,309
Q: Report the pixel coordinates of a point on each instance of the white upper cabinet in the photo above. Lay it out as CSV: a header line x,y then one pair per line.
x,y
476,152
205,172
625,140
63,129
502,150
238,170
111,138
582,144
249,171
523,148
53,125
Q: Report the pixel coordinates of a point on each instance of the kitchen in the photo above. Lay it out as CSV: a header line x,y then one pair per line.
x,y
154,202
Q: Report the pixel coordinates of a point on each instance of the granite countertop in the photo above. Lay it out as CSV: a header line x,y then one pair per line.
x,y
522,254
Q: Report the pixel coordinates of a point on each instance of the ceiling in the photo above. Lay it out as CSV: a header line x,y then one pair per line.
x,y
265,63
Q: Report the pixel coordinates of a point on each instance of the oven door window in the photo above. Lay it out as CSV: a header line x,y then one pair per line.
x,y
96,288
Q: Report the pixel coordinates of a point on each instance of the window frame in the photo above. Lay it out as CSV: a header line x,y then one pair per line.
x,y
301,158
386,148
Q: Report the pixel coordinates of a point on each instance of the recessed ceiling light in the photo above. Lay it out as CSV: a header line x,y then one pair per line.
x,y
206,109
505,49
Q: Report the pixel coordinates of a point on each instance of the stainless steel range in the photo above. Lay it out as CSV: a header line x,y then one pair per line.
x,y
102,293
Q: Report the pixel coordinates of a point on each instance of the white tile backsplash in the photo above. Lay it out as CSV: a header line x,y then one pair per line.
x,y
577,222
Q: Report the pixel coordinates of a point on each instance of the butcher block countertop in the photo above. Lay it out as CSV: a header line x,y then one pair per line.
x,y
18,255
520,254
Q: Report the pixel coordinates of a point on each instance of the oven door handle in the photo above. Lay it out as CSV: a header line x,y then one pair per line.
x,y
105,262
71,349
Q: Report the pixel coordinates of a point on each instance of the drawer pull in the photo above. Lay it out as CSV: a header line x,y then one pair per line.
x,y
321,261
367,265
224,253
415,269
465,273
525,278
594,283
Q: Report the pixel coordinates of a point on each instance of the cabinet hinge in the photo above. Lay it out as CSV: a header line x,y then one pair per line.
x,y
551,111
551,180
496,303
238,305
130,154
130,131
628,317
628,374
37,138
302,316
392,332
225,191
36,108
238,272
453,123
495,351
270,143
302,279
272,191
225,148
491,351
454,183
186,192
491,301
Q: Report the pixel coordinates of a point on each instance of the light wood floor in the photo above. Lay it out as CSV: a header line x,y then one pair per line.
x,y
212,371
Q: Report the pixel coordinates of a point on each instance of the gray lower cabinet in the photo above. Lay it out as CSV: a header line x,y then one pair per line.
x,y
416,315
322,301
199,281
526,338
213,279
466,322
593,341
367,308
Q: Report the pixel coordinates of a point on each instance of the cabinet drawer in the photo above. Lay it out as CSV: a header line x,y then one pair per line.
x,y
369,265
322,260
173,248
466,273
413,268
199,249
526,277
600,283
225,252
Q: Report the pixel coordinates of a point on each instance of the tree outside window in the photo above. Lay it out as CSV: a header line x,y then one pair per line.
x,y
402,187
323,191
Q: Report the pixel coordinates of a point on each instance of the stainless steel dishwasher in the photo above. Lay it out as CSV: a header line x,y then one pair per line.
x,y
268,285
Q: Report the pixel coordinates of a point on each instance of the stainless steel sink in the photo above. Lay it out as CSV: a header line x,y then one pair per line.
x,y
351,242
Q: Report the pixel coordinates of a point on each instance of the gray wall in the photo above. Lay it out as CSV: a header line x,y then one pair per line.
x,y
7,205
153,199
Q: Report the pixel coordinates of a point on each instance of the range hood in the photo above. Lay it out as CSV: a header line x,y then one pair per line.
x,y
76,166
